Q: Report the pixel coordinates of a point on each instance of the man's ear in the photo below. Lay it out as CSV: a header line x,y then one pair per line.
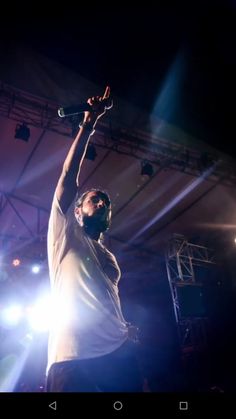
x,y
77,212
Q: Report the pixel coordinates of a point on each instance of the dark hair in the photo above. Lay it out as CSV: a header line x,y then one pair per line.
x,y
104,195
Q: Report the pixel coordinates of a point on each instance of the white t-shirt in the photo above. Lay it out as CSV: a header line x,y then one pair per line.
x,y
87,320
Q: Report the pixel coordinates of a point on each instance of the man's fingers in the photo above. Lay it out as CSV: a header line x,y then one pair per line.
x,y
107,93
96,102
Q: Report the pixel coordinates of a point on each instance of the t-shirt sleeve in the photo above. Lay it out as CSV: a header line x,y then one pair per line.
x,y
57,222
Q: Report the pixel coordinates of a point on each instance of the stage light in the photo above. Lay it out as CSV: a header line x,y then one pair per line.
x,y
22,132
16,262
49,311
39,314
91,153
146,169
35,269
12,315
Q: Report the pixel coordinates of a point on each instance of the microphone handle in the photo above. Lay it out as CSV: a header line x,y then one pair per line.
x,y
73,110
76,109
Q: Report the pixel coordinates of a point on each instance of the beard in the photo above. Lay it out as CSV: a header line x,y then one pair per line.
x,y
98,222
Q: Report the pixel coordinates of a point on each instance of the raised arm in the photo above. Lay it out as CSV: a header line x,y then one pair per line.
x,y
69,179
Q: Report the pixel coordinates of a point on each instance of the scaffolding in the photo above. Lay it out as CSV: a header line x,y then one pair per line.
x,y
192,321
21,107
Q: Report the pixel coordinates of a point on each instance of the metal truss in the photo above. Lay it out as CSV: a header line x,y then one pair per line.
x,y
162,153
181,258
39,234
20,106
14,243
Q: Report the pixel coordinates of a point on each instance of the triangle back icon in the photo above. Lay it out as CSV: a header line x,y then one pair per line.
x,y
53,405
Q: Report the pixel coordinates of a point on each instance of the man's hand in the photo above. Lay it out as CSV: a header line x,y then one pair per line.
x,y
133,333
99,105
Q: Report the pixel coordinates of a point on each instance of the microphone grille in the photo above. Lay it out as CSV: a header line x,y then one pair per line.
x,y
61,112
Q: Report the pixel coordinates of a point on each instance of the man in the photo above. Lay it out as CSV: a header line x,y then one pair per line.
x,y
90,343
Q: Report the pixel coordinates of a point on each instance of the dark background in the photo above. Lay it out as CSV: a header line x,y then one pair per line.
x,y
182,53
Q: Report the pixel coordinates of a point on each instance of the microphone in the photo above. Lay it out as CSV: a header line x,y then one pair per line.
x,y
73,110
76,109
